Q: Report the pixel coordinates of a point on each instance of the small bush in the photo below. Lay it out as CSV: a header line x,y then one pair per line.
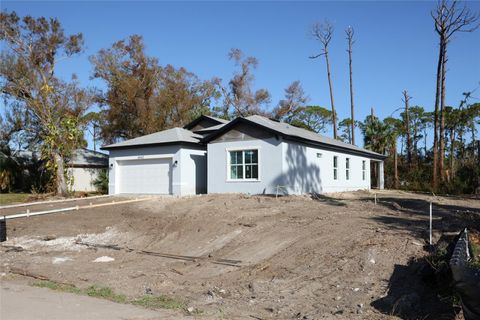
x,y
101,183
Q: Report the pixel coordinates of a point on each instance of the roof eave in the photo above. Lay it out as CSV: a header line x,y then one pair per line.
x,y
199,145
331,147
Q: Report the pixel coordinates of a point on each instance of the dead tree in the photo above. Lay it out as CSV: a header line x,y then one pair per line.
x,y
406,99
395,163
323,33
449,19
350,32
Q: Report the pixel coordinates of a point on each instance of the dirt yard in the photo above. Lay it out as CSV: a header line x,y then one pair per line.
x,y
250,257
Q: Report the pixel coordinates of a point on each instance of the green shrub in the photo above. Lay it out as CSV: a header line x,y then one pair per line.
x,y
101,183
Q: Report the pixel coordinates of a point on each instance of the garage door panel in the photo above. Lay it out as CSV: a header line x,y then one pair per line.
x,y
145,176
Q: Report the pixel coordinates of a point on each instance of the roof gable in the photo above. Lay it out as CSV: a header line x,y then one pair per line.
x,y
243,132
293,133
204,122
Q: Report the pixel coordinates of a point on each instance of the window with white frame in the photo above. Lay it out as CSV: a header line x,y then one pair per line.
x,y
347,168
364,169
243,165
335,167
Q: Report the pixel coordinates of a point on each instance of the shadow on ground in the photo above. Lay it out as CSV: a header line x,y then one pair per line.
x,y
418,290
327,200
414,293
415,212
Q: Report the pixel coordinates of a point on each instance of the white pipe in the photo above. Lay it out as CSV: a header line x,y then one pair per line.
x,y
51,201
29,214
467,249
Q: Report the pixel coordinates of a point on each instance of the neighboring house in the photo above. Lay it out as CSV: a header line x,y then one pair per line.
x,y
248,155
85,166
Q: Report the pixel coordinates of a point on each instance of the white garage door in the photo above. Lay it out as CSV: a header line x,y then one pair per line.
x,y
145,176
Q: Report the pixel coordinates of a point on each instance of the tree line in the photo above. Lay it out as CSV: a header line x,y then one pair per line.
x,y
51,115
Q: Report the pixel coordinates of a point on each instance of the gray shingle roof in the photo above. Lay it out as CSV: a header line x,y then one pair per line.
x,y
303,134
193,123
80,157
86,157
162,137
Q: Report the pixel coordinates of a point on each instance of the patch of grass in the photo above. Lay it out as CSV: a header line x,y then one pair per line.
x,y
158,302
105,293
9,198
146,301
57,286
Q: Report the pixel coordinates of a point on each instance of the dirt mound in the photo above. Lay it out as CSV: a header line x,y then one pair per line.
x,y
282,258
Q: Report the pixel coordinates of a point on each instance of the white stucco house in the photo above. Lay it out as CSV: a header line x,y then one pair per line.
x,y
84,167
253,155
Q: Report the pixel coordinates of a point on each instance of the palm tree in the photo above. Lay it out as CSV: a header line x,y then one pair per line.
x,y
394,129
374,132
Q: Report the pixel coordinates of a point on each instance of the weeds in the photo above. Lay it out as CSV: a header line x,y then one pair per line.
x,y
57,286
105,293
158,302
440,257
146,301
475,262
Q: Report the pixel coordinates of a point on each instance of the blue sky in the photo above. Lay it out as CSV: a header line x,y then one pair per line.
x,y
396,45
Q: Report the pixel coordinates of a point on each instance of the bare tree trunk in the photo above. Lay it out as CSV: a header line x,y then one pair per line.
x,y
60,178
349,136
415,146
406,99
462,144
94,137
425,133
441,157
323,33
435,120
452,152
472,129
352,108
395,164
332,101
448,19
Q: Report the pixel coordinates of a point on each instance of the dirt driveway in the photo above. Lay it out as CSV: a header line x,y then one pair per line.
x,y
253,257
